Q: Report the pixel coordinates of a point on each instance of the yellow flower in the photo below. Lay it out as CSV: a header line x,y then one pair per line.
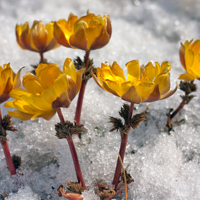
x,y
44,93
190,60
145,84
88,33
39,38
8,81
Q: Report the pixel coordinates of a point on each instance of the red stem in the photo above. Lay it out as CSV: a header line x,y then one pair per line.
x,y
76,162
60,115
80,102
73,153
0,117
9,161
178,109
41,57
87,53
124,138
6,151
81,93
121,153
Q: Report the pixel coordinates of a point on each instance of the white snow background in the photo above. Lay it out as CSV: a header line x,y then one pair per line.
x,y
163,166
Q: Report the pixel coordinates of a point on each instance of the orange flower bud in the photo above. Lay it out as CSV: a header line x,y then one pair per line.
x,y
39,38
88,32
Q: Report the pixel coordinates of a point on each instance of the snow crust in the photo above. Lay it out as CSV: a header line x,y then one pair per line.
x,y
163,166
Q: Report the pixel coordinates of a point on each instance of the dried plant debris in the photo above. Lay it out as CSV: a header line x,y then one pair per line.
x,y
124,112
71,196
68,129
187,87
106,194
79,64
117,123
16,161
7,124
136,119
171,121
75,187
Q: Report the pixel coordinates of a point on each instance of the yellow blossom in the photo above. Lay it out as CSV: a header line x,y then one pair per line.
x,y
88,32
44,93
39,38
190,60
144,84
8,81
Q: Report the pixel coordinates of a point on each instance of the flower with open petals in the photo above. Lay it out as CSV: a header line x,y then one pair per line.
x,y
144,84
88,32
8,81
39,38
190,60
44,93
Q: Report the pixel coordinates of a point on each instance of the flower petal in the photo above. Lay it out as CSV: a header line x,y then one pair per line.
x,y
170,93
61,84
131,95
9,104
47,73
108,24
149,71
195,47
44,115
164,82
182,55
18,114
186,77
154,95
78,39
79,74
96,80
61,101
39,36
118,71
59,34
5,95
196,66
133,70
72,88
16,93
100,41
108,89
17,80
31,84
69,68
189,58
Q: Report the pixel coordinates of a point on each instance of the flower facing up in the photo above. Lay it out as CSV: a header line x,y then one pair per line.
x,y
190,60
39,38
44,93
145,84
88,32
8,81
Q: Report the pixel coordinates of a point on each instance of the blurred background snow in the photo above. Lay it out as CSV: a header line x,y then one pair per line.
x,y
163,166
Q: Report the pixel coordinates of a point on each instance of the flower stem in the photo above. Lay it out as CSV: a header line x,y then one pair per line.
x,y
80,102
178,109
124,138
60,115
81,93
87,53
9,161
73,153
6,151
76,162
42,58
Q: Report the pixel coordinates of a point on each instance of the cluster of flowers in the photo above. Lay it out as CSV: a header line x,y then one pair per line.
x,y
49,88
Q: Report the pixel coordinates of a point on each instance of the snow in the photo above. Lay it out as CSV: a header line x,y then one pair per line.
x,y
163,166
